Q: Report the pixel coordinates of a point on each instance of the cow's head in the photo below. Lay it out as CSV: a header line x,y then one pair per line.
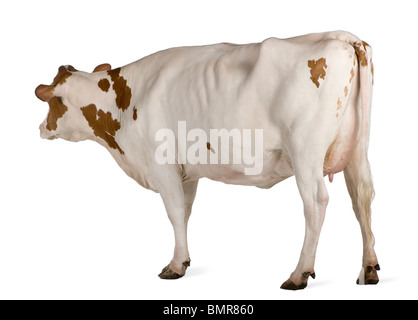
x,y
65,97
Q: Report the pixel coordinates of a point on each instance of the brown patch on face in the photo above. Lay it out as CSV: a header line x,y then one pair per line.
x,y
122,90
135,115
44,92
317,70
361,53
339,104
104,84
351,74
209,147
57,108
61,77
56,111
345,91
337,115
103,125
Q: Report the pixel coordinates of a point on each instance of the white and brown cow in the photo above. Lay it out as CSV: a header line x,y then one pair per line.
x,y
310,95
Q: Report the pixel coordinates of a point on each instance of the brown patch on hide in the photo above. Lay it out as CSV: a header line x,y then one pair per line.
x,y
339,104
317,70
345,91
56,111
122,90
351,75
103,125
104,84
135,115
361,52
209,147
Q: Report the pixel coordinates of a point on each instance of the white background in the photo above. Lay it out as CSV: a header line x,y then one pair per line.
x,y
74,226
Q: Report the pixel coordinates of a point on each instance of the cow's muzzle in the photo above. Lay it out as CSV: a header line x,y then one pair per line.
x,y
45,133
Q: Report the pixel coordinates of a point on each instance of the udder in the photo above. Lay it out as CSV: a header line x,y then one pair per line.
x,y
341,149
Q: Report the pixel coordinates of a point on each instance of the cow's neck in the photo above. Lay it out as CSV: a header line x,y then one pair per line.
x,y
108,116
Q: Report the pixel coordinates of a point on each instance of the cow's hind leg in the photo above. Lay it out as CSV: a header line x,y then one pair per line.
x,y
315,199
360,187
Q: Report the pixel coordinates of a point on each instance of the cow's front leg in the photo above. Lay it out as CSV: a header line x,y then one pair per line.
x,y
315,199
181,260
174,204
179,219
178,199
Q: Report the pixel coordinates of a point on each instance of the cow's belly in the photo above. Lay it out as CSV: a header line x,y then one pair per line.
x,y
276,167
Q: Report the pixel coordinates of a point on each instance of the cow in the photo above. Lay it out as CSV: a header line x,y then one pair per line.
x,y
309,95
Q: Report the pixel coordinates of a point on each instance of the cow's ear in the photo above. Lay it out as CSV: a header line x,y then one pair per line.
x,y
44,92
102,67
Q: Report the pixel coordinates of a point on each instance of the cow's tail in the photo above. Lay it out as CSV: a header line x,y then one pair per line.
x,y
364,191
366,70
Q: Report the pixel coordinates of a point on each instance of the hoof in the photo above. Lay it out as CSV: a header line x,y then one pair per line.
x,y
370,275
290,285
169,274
